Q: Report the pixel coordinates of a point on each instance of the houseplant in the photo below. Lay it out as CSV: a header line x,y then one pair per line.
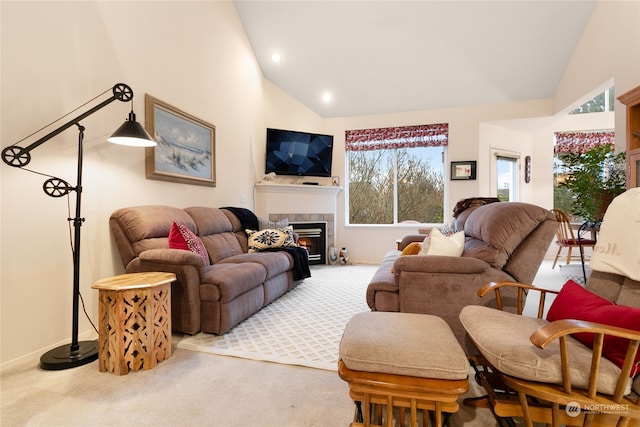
x,y
594,179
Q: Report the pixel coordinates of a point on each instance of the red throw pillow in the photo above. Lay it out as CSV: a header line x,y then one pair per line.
x,y
575,302
180,237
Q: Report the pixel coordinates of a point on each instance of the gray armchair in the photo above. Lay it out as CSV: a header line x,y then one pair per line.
x,y
505,242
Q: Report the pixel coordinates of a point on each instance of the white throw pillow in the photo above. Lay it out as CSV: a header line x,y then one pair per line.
x,y
452,245
425,245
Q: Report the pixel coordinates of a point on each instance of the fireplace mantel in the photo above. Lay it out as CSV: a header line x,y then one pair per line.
x,y
262,187
279,198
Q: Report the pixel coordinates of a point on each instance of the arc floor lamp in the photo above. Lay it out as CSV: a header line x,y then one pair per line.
x,y
130,133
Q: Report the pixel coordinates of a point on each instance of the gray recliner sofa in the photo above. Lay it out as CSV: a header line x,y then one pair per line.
x,y
211,298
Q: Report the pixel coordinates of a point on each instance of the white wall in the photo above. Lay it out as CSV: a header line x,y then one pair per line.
x,y
56,56
281,111
369,244
609,48
608,52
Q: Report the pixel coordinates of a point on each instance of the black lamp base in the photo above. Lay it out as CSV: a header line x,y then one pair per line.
x,y
64,358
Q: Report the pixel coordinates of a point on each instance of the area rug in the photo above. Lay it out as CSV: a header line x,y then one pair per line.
x,y
303,327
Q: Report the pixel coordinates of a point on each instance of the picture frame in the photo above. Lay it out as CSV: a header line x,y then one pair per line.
x,y
463,170
186,145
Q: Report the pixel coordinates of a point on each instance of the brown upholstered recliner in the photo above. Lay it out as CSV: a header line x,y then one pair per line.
x,y
505,241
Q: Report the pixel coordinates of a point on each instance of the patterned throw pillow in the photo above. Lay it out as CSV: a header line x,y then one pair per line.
x,y
270,238
180,237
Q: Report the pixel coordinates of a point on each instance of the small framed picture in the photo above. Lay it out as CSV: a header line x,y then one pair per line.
x,y
463,170
335,181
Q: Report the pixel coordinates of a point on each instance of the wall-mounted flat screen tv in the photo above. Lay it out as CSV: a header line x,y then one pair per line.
x,y
298,153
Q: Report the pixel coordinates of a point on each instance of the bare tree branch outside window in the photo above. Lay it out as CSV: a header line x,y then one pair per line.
x,y
374,184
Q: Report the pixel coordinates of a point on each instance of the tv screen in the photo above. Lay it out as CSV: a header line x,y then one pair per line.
x,y
298,153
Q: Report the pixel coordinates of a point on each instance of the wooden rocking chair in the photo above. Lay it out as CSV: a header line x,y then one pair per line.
x,y
533,369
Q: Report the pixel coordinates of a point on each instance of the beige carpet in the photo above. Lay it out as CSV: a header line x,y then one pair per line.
x,y
198,389
303,327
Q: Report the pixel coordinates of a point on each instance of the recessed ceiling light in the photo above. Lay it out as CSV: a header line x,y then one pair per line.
x,y
326,97
276,57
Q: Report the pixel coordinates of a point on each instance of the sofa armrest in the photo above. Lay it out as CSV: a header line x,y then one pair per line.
x,y
439,264
170,261
185,292
173,257
410,238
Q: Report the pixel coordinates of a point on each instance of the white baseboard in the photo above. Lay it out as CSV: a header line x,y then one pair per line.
x,y
34,356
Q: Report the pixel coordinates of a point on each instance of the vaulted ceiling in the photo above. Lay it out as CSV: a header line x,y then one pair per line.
x,y
396,56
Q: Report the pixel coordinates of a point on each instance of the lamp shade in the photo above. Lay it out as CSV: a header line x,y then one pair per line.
x,y
132,133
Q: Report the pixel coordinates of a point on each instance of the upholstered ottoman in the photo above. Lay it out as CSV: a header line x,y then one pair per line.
x,y
401,360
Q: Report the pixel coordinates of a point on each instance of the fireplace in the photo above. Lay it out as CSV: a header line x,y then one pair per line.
x,y
327,224
313,237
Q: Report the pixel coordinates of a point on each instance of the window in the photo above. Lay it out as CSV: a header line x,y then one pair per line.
x,y
507,178
396,174
571,144
602,102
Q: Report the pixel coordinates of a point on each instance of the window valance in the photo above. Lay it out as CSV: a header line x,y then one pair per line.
x,y
581,142
397,137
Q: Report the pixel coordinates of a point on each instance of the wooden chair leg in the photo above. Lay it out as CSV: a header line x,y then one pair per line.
x,y
555,415
556,258
358,416
367,410
438,411
414,413
525,409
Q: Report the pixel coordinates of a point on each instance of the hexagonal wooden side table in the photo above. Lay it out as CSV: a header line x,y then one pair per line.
x,y
135,321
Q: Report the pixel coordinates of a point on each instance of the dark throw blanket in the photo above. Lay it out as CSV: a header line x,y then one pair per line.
x,y
300,261
300,256
465,204
247,218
